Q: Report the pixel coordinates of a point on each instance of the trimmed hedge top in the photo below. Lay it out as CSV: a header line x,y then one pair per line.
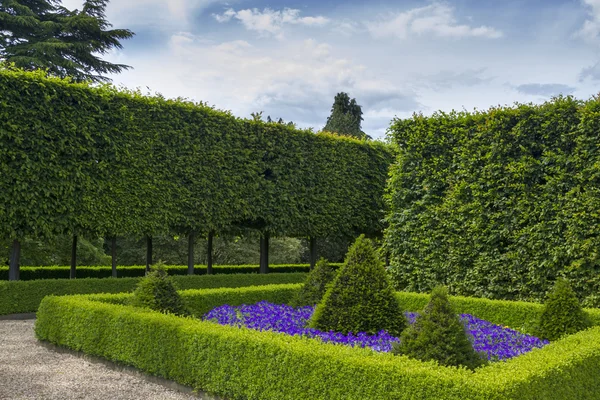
x,y
224,360
116,162
63,272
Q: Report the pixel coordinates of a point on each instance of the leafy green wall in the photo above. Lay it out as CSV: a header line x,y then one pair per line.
x,y
109,161
498,203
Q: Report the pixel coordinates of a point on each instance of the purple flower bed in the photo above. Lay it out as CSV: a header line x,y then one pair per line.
x,y
497,342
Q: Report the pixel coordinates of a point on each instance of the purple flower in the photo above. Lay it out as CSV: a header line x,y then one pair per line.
x,y
497,342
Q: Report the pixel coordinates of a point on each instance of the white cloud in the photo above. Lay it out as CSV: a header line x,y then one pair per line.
x,y
296,80
268,21
591,27
437,19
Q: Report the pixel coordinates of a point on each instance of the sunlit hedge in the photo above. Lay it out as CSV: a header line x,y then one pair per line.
x,y
111,161
246,364
25,296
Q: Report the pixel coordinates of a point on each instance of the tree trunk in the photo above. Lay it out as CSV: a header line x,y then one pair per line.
x,y
148,253
14,267
313,251
191,240
113,254
209,254
264,253
73,258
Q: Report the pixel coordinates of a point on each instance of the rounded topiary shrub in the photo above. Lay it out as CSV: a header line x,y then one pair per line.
x,y
158,292
562,313
315,285
360,298
438,334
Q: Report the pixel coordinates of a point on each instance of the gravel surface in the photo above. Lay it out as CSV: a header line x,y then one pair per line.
x,y
30,370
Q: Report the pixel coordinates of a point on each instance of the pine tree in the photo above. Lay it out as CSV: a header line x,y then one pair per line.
x,y
315,285
158,292
439,335
346,117
41,34
361,297
562,313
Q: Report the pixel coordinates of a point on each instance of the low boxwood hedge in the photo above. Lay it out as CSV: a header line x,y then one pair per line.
x,y
63,272
25,296
246,364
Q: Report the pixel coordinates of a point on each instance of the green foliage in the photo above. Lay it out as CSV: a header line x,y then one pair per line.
x,y
439,335
222,360
562,314
360,298
157,292
121,163
315,285
497,203
62,272
41,34
346,117
25,296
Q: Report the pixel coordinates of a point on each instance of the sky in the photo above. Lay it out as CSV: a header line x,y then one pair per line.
x,y
289,58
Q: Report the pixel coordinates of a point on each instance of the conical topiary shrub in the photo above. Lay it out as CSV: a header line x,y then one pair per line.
x,y
438,334
315,285
360,298
158,292
562,313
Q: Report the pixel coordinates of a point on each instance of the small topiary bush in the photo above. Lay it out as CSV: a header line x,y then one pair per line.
x,y
315,285
158,292
439,335
562,313
360,298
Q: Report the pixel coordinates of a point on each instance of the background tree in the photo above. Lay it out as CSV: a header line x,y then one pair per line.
x,y
42,34
346,117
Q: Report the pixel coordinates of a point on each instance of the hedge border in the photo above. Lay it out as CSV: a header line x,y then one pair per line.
x,y
131,271
25,296
241,363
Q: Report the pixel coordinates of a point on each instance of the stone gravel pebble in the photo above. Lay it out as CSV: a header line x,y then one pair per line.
x,y
29,370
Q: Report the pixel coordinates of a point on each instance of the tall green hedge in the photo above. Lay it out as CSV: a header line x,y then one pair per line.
x,y
498,203
113,161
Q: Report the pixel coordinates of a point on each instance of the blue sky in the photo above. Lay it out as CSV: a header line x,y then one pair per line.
x,y
289,58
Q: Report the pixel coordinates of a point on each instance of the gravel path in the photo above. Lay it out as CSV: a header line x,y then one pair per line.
x,y
30,370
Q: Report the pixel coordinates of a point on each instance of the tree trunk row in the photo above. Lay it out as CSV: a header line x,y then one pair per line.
x,y
14,267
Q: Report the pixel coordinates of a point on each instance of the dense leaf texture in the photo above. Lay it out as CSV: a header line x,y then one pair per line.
x,y
439,335
231,362
498,203
116,162
315,285
562,314
360,298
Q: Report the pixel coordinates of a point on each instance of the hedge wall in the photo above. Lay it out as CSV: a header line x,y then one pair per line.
x,y
62,272
245,364
77,158
25,296
498,203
